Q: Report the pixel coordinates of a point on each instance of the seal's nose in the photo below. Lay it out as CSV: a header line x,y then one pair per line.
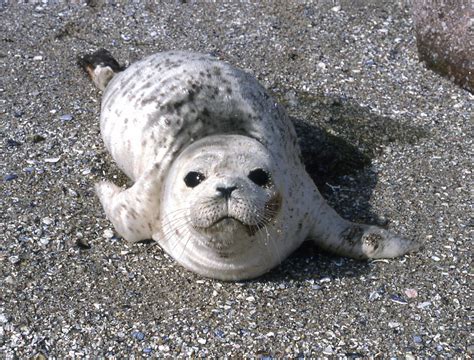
x,y
226,191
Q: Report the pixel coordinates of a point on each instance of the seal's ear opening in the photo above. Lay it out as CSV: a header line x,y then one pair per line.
x,y
101,67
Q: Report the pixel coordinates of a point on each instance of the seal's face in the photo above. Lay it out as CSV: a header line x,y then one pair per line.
x,y
222,193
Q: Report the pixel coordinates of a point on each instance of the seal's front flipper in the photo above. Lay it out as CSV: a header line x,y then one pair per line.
x,y
100,66
126,210
342,237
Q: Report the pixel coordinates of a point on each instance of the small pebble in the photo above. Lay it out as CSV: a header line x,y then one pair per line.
x,y
38,58
393,324
398,299
328,350
82,243
14,259
13,143
37,138
417,339
219,333
72,193
164,348
435,258
202,341
47,221
423,305
44,241
18,113
147,350
108,234
66,117
138,335
52,160
374,295
3,319
10,177
411,293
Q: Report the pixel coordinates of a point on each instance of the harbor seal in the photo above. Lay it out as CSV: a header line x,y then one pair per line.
x,y
218,178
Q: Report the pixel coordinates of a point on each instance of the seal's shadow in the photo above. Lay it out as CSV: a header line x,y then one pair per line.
x,y
339,139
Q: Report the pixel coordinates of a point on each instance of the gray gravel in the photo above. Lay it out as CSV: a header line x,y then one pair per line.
x,y
350,75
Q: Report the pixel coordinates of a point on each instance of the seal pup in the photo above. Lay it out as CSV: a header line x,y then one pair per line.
x,y
218,178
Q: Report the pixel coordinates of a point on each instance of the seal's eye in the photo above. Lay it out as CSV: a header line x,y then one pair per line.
x,y
193,179
259,177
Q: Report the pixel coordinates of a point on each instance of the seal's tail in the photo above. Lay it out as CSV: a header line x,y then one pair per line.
x,y
100,66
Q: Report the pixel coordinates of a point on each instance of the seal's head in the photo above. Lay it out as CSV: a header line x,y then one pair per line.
x,y
221,199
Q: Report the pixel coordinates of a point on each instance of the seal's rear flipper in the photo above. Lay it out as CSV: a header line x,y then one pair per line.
x,y
100,66
339,236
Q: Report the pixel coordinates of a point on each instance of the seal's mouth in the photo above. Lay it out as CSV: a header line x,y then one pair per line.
x,y
226,224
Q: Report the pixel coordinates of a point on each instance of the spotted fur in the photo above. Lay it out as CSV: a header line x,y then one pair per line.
x,y
177,112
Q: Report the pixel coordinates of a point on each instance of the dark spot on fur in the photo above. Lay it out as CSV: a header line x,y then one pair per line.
x,y
373,240
147,85
191,95
178,104
352,234
228,90
217,71
205,111
148,100
144,143
169,108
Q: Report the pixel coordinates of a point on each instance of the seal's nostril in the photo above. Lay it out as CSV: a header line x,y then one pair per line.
x,y
226,191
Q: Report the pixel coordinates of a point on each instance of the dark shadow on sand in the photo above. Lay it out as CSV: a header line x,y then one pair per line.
x,y
338,140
